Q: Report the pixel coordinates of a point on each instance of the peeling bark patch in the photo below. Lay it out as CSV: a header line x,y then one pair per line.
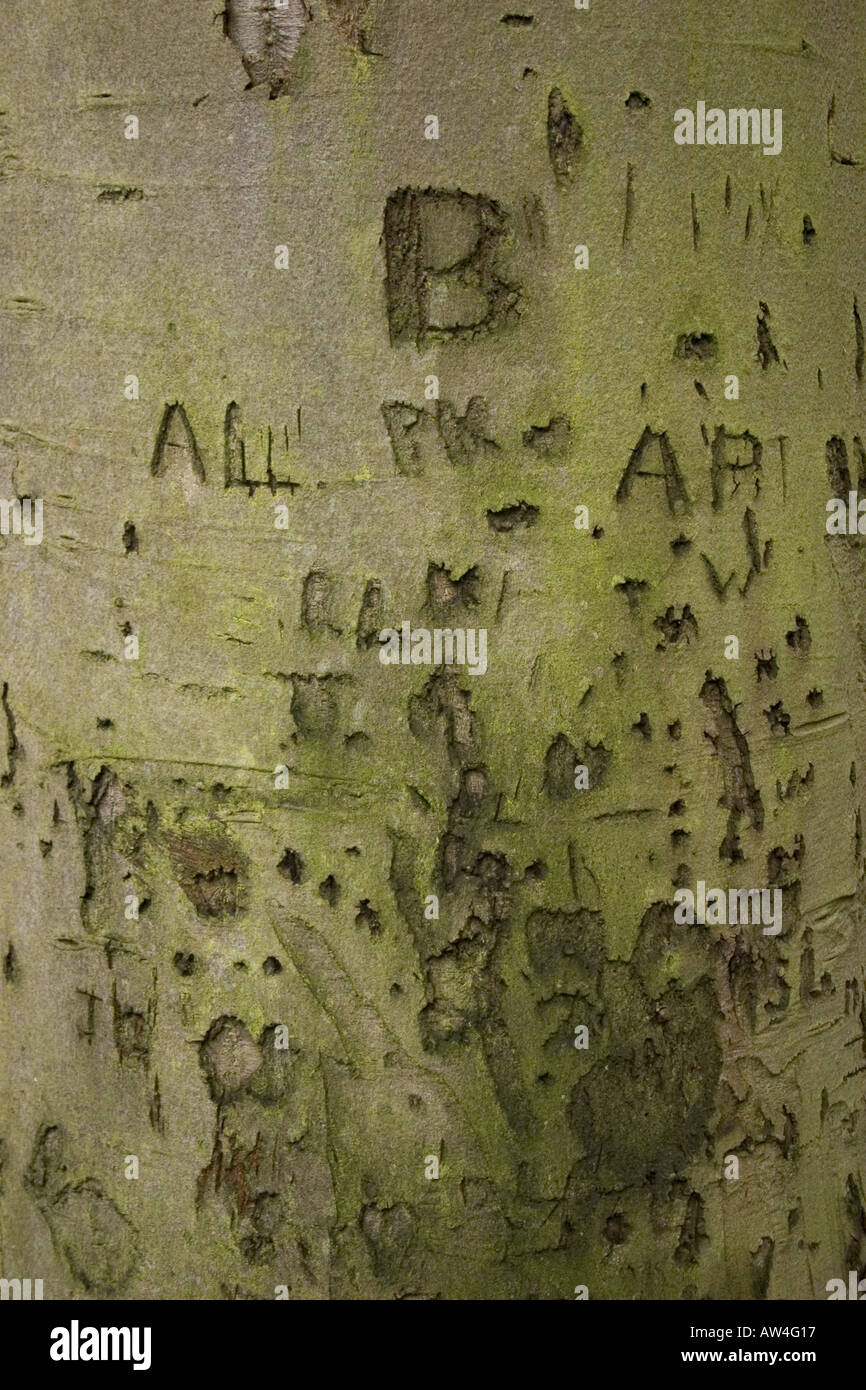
x,y
12,748
838,472
701,347
94,1237
559,764
98,811
184,963
267,36
616,1229
766,665
564,948
347,15
855,1212
551,440
229,1058
799,639
741,797
521,515
461,960
370,616
389,1233
767,352
315,704
778,718
564,137
676,628
693,1232
88,1229
444,592
762,1267
631,589
329,891
231,1176
291,866
132,1030
46,1170
212,874
644,1107
316,601
414,436
465,436
366,916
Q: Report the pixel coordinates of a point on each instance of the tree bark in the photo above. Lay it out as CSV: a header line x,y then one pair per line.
x,y
331,978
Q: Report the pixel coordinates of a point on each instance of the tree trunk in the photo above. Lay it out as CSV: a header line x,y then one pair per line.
x,y
330,975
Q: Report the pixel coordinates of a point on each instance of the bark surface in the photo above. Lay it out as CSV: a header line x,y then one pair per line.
x,y
285,1036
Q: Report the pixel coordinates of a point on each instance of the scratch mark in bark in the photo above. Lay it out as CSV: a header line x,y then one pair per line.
x,y
12,748
564,137
629,206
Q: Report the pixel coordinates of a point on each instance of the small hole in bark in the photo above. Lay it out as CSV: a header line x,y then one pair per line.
x,y
330,891
291,866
